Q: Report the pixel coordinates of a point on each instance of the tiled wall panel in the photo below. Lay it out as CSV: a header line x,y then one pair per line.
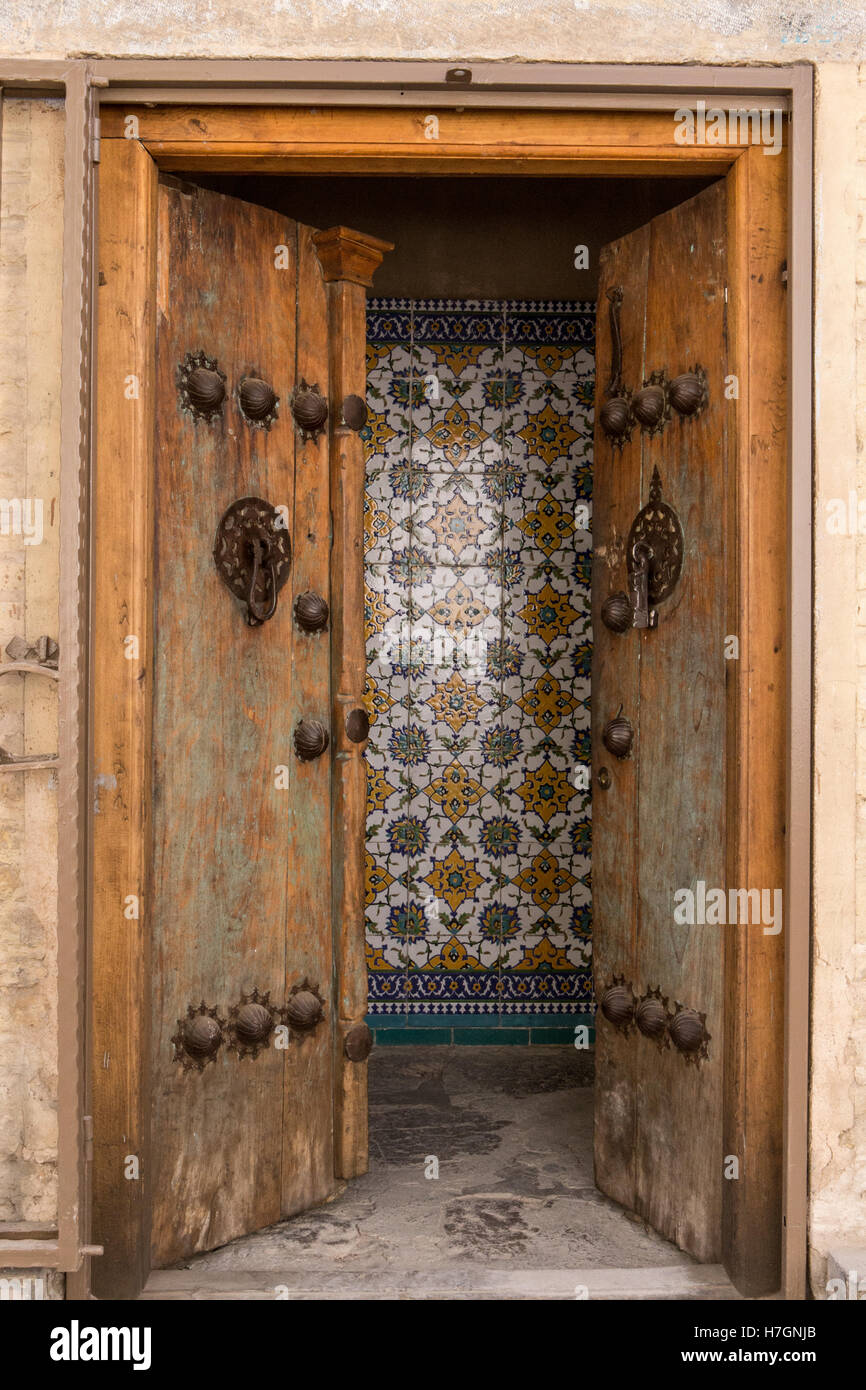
x,y
478,505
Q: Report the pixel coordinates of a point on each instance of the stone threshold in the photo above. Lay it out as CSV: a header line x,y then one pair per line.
x,y
464,1282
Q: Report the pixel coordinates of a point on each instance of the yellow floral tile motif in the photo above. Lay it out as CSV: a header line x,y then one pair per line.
x,y
456,703
453,956
456,435
377,613
545,880
456,525
376,958
459,607
376,700
546,792
548,614
548,703
376,878
543,955
377,525
548,434
549,525
456,356
376,353
550,360
455,791
378,789
377,433
454,880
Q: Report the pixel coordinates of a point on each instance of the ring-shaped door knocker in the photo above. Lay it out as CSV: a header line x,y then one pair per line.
x,y
253,556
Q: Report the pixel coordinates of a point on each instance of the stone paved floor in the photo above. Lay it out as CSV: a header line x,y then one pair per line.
x,y
511,1129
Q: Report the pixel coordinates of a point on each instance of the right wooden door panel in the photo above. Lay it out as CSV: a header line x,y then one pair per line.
x,y
659,827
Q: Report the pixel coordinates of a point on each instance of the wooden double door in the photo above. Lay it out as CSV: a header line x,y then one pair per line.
x,y
252,1087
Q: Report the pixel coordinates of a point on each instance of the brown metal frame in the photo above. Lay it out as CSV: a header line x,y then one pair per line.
x,y
507,87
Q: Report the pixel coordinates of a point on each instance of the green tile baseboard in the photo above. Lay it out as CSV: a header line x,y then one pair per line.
x,y
478,1030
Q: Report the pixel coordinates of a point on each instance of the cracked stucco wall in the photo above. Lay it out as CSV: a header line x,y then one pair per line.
x,y
574,31
833,37
838,1068
31,213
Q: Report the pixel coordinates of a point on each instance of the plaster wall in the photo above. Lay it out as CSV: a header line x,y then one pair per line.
x,y
31,217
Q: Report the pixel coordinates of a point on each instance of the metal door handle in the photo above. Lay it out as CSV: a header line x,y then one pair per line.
x,y
615,414
261,552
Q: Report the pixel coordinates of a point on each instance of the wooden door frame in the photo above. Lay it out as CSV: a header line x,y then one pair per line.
x,y
538,121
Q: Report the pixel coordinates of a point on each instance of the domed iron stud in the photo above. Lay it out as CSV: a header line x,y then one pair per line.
x,y
618,735
358,1043
649,407
688,1033
310,410
357,725
198,1037
251,1023
311,739
311,612
201,386
257,401
687,393
615,417
305,1008
617,1003
651,1016
616,612
354,412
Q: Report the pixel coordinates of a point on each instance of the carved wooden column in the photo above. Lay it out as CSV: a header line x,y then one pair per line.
x,y
348,261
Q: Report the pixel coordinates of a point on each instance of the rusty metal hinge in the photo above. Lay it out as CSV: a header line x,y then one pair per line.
x,y
97,137
784,274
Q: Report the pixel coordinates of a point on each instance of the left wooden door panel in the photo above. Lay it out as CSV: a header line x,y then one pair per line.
x,y
214,876
232,805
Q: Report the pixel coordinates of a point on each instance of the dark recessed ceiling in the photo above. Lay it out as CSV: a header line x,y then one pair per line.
x,y
472,237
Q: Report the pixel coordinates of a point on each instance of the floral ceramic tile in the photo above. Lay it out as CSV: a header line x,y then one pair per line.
x,y
545,519
460,438
456,617
478,541
454,702
540,429
543,791
387,518
457,522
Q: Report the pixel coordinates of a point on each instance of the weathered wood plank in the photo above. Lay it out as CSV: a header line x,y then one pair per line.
x,y
222,724
615,682
349,260
754,968
372,130
121,606
308,1166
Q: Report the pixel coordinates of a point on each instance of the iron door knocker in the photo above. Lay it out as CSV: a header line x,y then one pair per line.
x,y
654,559
253,556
